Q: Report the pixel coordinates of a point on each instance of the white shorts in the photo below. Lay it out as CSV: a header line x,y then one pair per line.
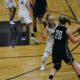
x,y
49,46
25,17
10,3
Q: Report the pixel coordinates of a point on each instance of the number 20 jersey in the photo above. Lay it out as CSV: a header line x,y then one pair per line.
x,y
60,37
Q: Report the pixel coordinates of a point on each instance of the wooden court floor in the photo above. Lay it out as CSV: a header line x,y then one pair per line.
x,y
23,62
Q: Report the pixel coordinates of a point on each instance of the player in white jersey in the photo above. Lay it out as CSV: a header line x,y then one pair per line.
x,y
49,30
25,17
24,11
11,5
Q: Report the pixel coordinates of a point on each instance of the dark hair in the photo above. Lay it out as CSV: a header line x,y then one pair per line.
x,y
47,17
47,20
63,20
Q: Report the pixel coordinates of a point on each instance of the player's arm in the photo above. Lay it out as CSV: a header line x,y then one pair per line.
x,y
33,1
71,37
45,34
77,30
27,4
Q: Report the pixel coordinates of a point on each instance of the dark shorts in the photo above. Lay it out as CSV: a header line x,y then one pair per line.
x,y
61,54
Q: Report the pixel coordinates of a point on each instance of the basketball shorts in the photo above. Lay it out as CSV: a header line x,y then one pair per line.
x,y
61,54
25,17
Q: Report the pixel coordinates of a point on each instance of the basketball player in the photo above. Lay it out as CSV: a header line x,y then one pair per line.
x,y
49,30
25,18
11,5
60,50
39,9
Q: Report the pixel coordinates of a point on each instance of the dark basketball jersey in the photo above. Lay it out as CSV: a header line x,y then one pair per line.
x,y
60,49
60,37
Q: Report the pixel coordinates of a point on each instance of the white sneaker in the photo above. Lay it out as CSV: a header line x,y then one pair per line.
x,y
12,22
43,67
35,40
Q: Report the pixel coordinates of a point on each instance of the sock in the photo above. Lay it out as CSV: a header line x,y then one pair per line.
x,y
78,77
50,77
35,28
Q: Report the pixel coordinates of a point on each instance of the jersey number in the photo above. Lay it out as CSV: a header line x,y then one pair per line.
x,y
58,35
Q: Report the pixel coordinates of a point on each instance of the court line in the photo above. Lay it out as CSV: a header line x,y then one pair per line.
x,y
69,6
61,14
75,47
21,56
59,73
37,55
38,67
76,53
25,73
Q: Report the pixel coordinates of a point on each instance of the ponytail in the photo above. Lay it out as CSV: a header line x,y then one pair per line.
x,y
68,21
63,20
47,17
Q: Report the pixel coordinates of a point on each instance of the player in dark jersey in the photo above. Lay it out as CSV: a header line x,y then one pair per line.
x,y
39,9
60,48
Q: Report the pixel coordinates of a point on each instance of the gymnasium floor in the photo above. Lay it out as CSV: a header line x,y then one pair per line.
x,y
23,62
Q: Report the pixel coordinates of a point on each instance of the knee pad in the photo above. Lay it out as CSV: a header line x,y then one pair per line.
x,y
57,66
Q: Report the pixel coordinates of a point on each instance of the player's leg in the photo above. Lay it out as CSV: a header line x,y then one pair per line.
x,y
12,11
34,30
76,68
34,20
23,34
57,66
35,24
68,58
46,54
28,21
10,15
56,59
44,58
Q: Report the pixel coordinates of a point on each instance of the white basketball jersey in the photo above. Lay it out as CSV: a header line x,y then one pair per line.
x,y
22,5
51,32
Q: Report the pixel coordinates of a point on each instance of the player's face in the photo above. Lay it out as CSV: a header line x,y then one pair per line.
x,y
52,22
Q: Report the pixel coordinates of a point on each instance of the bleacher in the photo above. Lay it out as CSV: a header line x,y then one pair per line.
x,y
6,37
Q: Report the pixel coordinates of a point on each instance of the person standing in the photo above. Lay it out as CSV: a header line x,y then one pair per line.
x,y
60,50
25,19
49,31
39,9
11,5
